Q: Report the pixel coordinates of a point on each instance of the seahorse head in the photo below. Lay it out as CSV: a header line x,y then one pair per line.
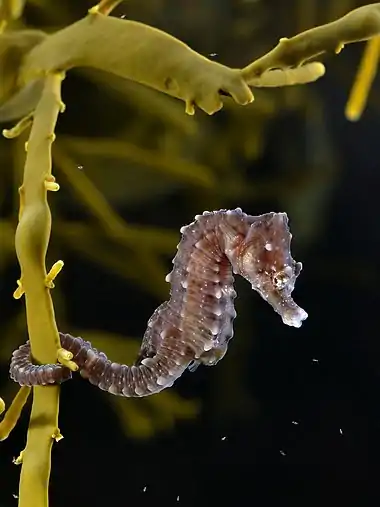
x,y
264,259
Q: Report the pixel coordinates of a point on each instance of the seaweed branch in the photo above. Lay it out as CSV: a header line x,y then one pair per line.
x,y
358,25
32,237
13,413
141,53
105,7
365,75
153,58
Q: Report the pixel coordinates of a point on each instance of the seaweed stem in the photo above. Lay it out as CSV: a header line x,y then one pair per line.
x,y
32,238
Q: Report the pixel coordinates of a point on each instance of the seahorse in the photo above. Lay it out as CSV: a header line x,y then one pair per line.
x,y
195,325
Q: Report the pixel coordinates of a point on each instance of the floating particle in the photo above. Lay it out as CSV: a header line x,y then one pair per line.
x,y
14,495
268,247
283,453
315,360
213,54
295,422
123,16
144,489
341,431
223,438
178,498
80,167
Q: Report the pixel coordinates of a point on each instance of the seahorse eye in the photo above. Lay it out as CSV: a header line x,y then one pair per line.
x,y
281,279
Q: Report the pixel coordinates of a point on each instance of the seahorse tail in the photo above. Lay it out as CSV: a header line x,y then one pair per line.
x,y
151,376
25,373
